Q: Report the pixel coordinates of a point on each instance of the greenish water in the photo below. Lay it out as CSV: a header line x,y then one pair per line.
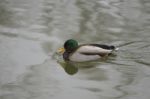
x,y
32,30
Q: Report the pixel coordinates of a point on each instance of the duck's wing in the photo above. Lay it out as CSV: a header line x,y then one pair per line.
x,y
107,47
94,50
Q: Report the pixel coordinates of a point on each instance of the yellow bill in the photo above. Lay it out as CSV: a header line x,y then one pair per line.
x,y
61,50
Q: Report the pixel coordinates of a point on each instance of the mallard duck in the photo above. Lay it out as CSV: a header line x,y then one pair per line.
x,y
85,52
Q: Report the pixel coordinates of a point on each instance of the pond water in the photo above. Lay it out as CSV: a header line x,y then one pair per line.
x,y
32,30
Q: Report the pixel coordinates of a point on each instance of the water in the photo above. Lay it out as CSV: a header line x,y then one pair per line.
x,y
32,30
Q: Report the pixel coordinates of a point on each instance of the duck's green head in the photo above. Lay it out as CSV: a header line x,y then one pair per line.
x,y
70,45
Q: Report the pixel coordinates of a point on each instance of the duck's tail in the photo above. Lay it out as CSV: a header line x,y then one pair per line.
x,y
114,48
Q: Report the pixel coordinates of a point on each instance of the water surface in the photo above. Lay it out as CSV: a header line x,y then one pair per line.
x,y
32,30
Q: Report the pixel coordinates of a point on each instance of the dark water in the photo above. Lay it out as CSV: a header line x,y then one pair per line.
x,y
32,30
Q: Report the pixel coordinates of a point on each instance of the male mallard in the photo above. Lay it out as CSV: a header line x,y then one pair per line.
x,y
86,52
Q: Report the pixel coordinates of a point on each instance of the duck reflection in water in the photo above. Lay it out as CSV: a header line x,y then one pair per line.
x,y
69,68
72,68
